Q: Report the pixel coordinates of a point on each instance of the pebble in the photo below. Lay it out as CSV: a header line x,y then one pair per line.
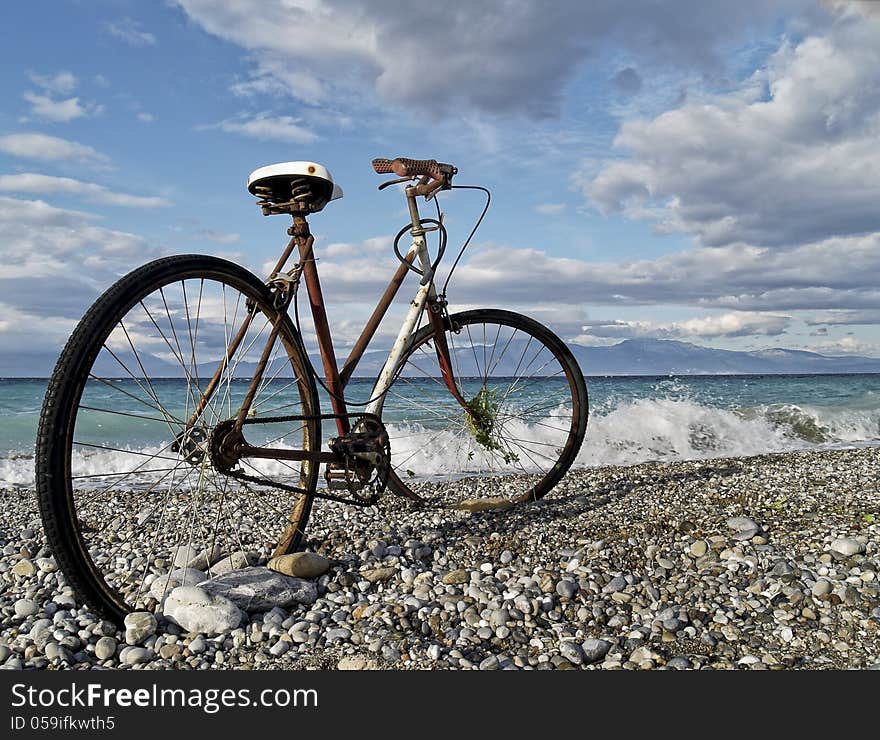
x,y
135,655
105,648
301,565
572,652
847,547
26,607
139,626
24,568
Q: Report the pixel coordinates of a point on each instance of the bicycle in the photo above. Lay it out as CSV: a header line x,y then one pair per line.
x,y
202,366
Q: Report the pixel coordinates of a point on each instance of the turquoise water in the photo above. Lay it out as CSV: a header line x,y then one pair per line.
x,y
632,419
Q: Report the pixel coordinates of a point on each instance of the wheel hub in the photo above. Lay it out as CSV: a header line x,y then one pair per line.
x,y
190,444
224,446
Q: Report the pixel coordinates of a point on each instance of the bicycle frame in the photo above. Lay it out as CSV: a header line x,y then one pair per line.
x,y
425,299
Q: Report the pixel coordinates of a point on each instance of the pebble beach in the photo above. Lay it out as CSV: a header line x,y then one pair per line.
x,y
749,563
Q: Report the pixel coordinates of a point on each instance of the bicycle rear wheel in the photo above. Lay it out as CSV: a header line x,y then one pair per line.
x,y
531,408
130,491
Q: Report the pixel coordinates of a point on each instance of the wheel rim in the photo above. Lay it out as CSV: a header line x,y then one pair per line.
x,y
525,429
159,501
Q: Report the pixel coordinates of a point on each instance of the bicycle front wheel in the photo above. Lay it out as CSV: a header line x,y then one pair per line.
x,y
131,488
528,413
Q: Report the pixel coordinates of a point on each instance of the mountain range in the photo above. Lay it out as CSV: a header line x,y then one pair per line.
x,y
629,357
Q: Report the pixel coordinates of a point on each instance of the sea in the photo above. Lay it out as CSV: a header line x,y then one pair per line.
x,y
632,419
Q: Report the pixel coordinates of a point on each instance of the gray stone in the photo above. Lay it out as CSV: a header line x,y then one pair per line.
x,y
235,561
198,645
847,547
506,557
279,648
665,563
139,626
595,649
258,589
743,528
105,648
679,663
26,608
618,583
5,652
135,655
566,589
197,610
822,587
572,652
301,565
489,664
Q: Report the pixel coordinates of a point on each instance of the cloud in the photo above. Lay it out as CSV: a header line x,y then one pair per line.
x,y
836,318
55,264
266,126
848,346
49,149
59,111
550,209
61,83
491,56
788,157
728,325
130,31
30,182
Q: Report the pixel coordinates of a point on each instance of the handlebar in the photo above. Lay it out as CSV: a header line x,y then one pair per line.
x,y
406,167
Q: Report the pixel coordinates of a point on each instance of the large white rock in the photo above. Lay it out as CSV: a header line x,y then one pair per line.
x,y
164,585
139,626
190,556
259,589
196,610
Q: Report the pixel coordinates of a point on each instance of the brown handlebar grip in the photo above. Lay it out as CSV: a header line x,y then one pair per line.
x,y
382,166
406,167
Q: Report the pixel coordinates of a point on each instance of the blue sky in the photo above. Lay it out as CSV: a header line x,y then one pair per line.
x,y
706,171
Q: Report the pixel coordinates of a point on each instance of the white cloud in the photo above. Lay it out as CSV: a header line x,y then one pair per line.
x,y
130,31
146,117
49,148
480,55
29,182
59,111
848,346
268,127
550,209
789,157
62,83
728,325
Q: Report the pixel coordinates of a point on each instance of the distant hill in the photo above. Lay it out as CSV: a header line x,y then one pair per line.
x,y
630,357
667,357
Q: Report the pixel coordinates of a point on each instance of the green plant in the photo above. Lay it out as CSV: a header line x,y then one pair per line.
x,y
480,420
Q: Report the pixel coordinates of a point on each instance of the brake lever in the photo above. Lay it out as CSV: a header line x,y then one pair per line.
x,y
396,182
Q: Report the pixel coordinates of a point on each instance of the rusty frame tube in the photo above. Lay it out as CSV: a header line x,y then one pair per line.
x,y
305,242
375,319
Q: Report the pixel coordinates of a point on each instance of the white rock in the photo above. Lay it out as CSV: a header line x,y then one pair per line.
x,y
139,626
164,585
259,589
847,546
743,527
196,610
235,561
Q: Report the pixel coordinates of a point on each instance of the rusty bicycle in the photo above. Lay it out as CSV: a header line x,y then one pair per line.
x,y
182,425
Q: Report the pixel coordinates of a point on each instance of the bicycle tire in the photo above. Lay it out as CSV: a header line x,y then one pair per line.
x,y
557,373
66,515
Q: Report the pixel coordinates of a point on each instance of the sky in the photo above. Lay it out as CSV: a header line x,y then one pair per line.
x,y
701,171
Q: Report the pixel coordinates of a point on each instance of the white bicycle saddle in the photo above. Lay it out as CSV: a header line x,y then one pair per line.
x,y
275,181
